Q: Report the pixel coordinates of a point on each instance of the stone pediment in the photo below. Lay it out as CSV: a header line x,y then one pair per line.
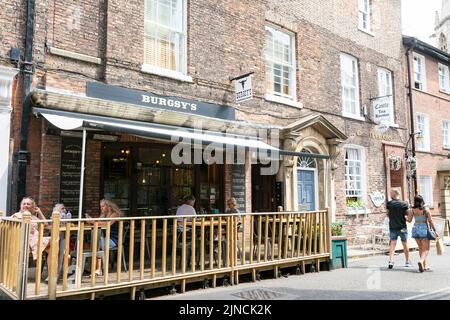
x,y
318,123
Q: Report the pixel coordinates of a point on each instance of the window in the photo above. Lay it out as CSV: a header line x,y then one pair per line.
x,y
419,72
350,86
385,90
280,63
364,14
426,190
446,134
443,78
354,175
165,35
423,139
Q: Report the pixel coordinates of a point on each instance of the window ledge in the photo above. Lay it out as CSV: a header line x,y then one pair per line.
x,y
446,91
286,101
352,212
166,73
394,125
370,33
353,116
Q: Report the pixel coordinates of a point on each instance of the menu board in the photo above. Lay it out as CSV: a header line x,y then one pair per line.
x,y
69,191
238,185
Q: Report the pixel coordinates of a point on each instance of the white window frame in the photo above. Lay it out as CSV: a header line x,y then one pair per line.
x,y
344,85
279,96
446,134
181,55
424,127
420,73
385,89
364,12
444,83
426,190
361,151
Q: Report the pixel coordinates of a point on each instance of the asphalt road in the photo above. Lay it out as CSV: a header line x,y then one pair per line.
x,y
364,279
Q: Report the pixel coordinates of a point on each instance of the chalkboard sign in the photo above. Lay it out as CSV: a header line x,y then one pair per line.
x,y
69,191
238,185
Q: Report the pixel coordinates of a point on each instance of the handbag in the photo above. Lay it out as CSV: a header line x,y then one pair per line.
x,y
439,246
431,234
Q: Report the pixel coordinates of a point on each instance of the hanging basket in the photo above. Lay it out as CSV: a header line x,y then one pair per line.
x,y
395,163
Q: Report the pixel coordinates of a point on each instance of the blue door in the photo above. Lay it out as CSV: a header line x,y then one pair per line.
x,y
306,190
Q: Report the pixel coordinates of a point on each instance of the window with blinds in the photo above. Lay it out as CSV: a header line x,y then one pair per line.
x,y
280,63
165,34
446,134
364,14
423,139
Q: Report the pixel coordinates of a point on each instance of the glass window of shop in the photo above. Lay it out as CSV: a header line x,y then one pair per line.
x,y
143,181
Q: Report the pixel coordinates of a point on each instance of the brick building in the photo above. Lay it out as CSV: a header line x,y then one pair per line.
x,y
430,103
326,77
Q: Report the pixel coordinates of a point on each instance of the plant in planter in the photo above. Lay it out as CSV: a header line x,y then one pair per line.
x,y
355,205
336,229
395,163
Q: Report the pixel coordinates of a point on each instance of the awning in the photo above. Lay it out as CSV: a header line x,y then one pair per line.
x,y
73,121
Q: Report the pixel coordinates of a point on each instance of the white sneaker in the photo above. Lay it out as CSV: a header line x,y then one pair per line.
x,y
408,264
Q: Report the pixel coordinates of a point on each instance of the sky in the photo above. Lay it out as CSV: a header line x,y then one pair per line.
x,y
418,18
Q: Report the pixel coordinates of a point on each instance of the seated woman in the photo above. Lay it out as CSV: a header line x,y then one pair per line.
x,y
108,210
28,204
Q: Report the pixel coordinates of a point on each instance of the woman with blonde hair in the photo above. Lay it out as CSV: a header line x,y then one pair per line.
x,y
28,204
108,209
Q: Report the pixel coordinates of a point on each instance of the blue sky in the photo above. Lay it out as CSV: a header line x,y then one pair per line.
x,y
418,18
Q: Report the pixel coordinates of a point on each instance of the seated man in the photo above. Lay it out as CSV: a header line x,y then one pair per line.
x,y
186,209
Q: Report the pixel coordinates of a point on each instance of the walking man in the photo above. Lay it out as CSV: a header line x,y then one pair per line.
x,y
397,212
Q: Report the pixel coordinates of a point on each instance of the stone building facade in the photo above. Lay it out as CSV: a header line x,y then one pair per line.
x,y
78,45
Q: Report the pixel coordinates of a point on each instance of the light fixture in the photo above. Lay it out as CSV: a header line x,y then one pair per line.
x,y
122,151
157,161
127,152
163,155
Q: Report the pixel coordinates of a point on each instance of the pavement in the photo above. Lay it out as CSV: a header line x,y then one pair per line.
x,y
366,278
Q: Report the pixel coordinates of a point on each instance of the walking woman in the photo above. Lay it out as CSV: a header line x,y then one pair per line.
x,y
419,232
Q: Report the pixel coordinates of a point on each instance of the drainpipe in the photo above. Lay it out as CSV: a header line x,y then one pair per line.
x,y
27,71
411,113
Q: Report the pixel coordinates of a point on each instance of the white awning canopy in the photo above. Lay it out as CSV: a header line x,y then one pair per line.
x,y
73,121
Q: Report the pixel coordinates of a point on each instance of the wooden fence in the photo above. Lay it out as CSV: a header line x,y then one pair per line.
x,y
154,251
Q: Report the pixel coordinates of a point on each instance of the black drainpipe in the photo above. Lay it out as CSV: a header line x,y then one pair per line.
x,y
27,71
411,114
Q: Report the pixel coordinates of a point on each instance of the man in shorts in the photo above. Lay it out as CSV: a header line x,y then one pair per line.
x,y
397,212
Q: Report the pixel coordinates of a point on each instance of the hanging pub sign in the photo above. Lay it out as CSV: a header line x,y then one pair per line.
x,y
243,87
382,110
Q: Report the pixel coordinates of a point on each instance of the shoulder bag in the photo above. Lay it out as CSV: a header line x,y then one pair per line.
x,y
431,234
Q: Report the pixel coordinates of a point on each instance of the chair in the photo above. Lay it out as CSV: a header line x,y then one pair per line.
x,y
263,236
383,238
125,240
361,238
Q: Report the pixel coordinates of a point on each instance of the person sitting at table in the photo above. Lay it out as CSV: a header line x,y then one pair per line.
x,y
28,204
108,210
186,209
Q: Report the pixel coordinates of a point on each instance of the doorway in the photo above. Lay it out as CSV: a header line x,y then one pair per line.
x,y
263,191
307,189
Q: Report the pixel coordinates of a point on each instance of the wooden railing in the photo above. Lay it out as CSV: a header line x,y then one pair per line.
x,y
162,250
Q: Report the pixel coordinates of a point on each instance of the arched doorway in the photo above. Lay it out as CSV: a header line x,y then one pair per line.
x,y
307,187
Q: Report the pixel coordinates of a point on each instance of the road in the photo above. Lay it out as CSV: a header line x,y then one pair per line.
x,y
364,279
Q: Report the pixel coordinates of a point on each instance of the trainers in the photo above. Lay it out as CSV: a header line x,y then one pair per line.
x,y
408,264
391,264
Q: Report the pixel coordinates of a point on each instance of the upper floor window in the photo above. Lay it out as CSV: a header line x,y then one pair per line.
x,y
350,86
423,139
446,134
364,14
280,63
443,78
419,72
385,90
165,34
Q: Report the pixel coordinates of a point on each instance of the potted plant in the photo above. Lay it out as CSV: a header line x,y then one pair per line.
x,y
355,206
